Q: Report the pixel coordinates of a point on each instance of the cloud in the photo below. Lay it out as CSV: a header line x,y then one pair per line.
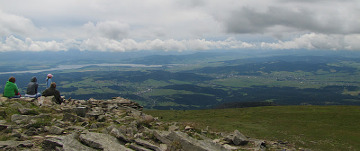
x,y
12,43
107,29
104,44
11,24
247,20
318,41
179,25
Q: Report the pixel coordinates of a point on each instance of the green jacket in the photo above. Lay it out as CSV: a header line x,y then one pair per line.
x,y
10,89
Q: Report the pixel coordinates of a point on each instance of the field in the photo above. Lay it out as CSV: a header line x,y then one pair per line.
x,y
313,127
199,80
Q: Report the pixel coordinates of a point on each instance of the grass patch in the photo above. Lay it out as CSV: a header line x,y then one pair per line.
x,y
314,127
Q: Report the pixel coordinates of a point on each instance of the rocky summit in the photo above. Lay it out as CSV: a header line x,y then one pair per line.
x,y
112,125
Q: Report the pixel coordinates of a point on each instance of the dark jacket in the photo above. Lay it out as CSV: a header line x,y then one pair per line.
x,y
53,92
32,87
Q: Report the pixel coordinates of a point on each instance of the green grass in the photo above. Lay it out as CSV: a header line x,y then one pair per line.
x,y
314,127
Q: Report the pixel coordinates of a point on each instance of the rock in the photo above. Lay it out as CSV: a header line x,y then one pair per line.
x,y
102,141
45,101
31,131
173,128
15,145
16,105
26,111
236,138
81,111
2,112
56,130
72,118
20,119
93,126
189,143
101,118
161,136
138,148
3,127
65,143
147,144
187,127
115,132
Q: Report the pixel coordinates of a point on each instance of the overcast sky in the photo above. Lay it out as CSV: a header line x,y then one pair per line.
x,y
178,25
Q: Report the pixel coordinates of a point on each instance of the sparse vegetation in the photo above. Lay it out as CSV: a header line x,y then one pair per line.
x,y
315,127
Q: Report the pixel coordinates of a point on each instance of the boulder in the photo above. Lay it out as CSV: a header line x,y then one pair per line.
x,y
236,138
65,143
188,143
45,101
102,141
56,130
15,145
20,119
147,144
81,111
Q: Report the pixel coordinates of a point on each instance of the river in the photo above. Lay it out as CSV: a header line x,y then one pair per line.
x,y
67,67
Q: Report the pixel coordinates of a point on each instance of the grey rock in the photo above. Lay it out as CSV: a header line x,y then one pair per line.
x,y
16,105
20,119
81,111
161,136
173,128
189,143
147,144
102,141
101,118
93,126
236,138
15,145
56,130
26,111
138,148
31,131
116,133
65,143
45,101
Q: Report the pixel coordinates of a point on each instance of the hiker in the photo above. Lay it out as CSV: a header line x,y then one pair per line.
x,y
32,89
53,92
48,80
11,90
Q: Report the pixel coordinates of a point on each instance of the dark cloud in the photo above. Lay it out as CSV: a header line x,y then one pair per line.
x,y
248,20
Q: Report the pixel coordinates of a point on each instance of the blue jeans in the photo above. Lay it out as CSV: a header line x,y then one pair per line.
x,y
16,96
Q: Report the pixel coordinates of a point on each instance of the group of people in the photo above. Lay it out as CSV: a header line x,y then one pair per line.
x,y
11,90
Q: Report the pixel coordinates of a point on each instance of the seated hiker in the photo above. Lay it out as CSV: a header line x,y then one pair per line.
x,y
48,80
32,89
53,92
11,90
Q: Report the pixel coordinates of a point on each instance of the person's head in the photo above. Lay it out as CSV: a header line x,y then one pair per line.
x,y
12,79
33,79
53,85
49,76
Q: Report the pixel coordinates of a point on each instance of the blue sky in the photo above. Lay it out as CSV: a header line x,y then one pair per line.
x,y
178,25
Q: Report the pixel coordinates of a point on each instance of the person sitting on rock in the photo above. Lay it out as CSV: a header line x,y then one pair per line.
x,y
53,92
48,80
32,89
11,90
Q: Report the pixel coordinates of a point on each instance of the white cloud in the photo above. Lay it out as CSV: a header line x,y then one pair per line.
x,y
112,25
12,43
104,44
318,41
11,24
